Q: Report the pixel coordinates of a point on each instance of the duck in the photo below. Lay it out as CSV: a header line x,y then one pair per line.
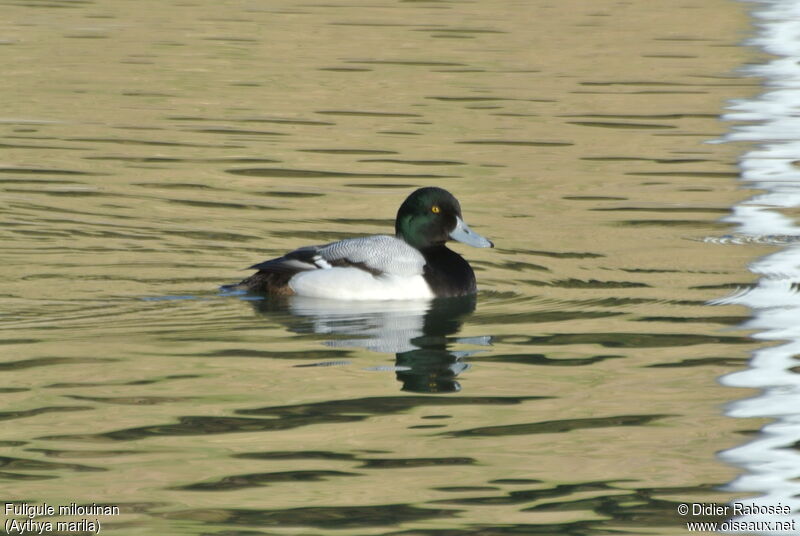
x,y
413,264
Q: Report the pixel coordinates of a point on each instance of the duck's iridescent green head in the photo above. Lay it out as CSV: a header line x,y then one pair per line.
x,y
430,217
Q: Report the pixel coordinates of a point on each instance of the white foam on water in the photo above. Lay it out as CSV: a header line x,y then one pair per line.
x,y
771,465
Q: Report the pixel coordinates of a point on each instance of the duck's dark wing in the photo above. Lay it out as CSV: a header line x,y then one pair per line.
x,y
377,255
273,275
305,258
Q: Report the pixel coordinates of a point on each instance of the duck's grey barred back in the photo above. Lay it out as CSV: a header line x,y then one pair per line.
x,y
377,253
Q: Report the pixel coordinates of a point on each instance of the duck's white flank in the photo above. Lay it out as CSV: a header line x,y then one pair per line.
x,y
348,283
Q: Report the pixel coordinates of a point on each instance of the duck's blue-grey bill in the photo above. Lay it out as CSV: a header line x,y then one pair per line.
x,y
463,233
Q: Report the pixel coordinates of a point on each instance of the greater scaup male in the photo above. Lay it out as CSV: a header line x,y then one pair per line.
x,y
415,263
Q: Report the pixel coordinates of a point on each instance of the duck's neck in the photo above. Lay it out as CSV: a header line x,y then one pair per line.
x,y
447,273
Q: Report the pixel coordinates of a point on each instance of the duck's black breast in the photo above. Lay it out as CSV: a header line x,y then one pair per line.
x,y
447,273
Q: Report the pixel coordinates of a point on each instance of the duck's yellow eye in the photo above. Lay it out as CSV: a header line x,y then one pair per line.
x,y
435,209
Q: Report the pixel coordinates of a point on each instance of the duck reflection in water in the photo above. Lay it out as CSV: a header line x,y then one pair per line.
x,y
419,333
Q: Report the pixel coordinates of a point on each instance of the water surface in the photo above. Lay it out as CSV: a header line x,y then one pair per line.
x,y
151,150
